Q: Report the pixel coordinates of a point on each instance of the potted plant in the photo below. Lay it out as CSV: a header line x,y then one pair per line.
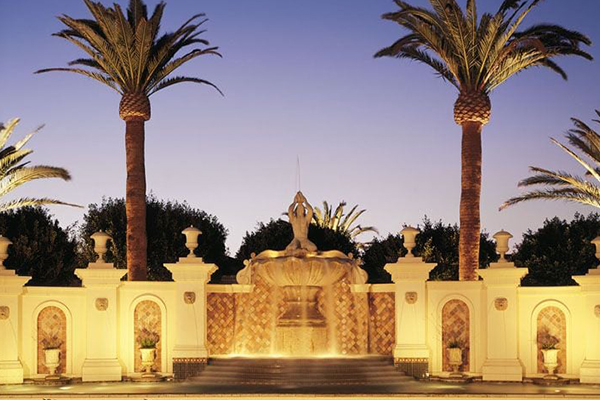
x,y
548,345
454,349
147,340
51,347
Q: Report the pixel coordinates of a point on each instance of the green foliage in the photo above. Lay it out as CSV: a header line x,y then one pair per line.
x,y
437,243
558,250
165,221
41,248
148,339
277,234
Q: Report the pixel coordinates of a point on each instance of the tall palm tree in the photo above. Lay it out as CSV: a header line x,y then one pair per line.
x,y
562,185
339,221
127,54
14,172
476,55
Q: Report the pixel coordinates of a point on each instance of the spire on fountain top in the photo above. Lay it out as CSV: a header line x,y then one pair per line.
x,y
300,213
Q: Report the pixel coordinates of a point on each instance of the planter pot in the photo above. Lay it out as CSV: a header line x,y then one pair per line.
x,y
550,360
52,360
454,358
148,356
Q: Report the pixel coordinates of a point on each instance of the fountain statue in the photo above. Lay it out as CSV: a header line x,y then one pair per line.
x,y
301,271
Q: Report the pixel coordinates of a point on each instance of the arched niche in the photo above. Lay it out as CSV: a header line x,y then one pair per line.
x,y
456,326
52,324
148,314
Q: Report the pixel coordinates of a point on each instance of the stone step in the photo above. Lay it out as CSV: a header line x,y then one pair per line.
x,y
302,372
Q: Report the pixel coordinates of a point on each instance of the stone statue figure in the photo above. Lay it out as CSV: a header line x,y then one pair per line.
x,y
300,214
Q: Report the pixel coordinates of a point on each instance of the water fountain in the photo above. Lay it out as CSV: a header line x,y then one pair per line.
x,y
302,272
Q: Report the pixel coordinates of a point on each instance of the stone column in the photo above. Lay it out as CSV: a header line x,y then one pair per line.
x,y
589,372
501,280
101,281
409,274
11,288
191,276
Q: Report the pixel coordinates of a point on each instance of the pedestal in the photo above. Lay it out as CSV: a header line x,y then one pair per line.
x,y
590,288
411,352
501,281
190,353
101,363
11,287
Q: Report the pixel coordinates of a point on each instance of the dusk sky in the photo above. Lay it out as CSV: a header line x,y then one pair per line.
x,y
300,80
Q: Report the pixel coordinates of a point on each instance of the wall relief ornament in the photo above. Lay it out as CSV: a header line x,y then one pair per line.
x,y
4,312
501,303
411,297
189,297
101,304
597,311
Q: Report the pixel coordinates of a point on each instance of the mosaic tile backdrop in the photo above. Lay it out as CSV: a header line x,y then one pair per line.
x,y
221,323
255,316
455,326
553,321
244,323
382,323
147,315
51,323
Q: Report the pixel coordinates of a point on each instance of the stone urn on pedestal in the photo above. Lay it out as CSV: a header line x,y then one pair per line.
x,y
550,362
455,357
148,341
548,345
52,356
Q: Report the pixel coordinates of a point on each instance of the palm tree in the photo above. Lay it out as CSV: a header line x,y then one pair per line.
x,y
562,185
340,222
476,55
127,54
14,172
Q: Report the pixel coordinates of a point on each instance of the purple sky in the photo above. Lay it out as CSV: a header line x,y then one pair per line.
x,y
299,80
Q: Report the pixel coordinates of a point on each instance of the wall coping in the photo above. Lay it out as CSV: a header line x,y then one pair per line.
x,y
228,288
548,290
454,285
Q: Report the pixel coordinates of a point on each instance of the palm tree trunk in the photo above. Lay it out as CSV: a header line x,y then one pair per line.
x,y
470,224
135,202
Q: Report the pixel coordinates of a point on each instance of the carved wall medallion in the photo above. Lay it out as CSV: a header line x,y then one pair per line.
x,y
411,297
501,303
101,304
189,297
597,310
4,312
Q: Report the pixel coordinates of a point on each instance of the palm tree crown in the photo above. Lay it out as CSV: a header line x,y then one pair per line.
x,y
127,54
14,172
339,221
478,54
565,186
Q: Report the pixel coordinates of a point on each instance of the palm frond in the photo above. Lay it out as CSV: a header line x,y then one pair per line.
x,y
563,185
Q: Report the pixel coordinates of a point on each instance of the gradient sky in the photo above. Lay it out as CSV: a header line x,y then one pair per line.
x,y
299,81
